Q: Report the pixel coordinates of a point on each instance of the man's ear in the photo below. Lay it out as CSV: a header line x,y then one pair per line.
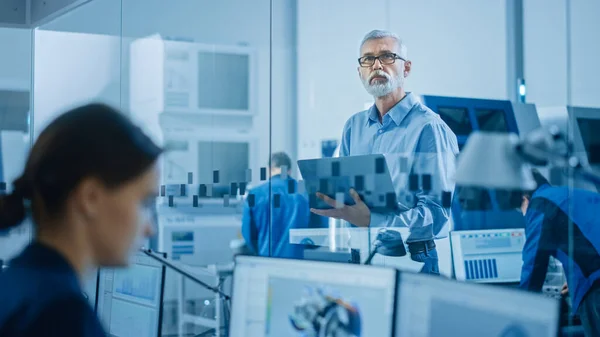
x,y
407,68
524,205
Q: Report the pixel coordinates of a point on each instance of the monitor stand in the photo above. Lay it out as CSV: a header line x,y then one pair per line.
x,y
341,256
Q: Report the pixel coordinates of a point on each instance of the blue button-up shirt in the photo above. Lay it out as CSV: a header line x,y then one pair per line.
x,y
414,140
266,225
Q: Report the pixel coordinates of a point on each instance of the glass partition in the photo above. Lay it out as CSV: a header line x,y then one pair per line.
x,y
262,104
15,116
197,75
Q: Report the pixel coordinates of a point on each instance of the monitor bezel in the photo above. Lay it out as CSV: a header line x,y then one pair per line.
x,y
312,263
162,291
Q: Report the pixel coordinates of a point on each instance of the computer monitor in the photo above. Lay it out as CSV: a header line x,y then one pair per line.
x,y
279,297
588,128
488,256
430,306
129,301
457,119
90,287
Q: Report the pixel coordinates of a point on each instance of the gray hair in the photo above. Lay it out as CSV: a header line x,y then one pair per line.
x,y
380,34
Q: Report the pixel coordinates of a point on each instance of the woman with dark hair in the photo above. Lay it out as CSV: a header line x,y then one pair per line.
x,y
89,183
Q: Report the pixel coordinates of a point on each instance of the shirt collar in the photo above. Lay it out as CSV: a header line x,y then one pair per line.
x,y
540,189
398,111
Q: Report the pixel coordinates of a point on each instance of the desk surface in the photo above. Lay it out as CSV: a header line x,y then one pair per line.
x,y
362,238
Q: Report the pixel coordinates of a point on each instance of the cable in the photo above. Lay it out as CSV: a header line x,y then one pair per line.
x,y
192,277
227,316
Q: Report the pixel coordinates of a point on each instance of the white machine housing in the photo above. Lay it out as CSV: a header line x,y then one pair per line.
x,y
169,76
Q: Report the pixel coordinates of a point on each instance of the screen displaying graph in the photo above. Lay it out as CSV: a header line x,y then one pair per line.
x,y
138,283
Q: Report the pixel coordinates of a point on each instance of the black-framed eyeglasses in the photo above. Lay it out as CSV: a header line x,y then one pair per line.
x,y
386,59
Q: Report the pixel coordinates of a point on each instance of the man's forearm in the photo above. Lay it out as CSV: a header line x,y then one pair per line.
x,y
423,221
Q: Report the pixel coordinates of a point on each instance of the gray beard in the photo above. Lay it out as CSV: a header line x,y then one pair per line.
x,y
379,90
383,89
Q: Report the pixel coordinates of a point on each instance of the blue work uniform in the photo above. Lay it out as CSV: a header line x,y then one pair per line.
x,y
40,296
550,211
414,140
288,211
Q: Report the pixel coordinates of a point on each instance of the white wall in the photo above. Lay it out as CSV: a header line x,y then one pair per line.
x,y
545,52
73,69
585,53
460,51
458,48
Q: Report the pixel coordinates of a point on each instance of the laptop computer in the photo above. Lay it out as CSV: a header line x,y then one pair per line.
x,y
367,174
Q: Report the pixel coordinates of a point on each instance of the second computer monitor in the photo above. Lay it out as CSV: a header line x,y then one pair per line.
x,y
277,297
488,256
129,301
433,307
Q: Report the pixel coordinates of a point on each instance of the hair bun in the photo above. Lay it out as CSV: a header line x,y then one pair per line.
x,y
12,210
23,188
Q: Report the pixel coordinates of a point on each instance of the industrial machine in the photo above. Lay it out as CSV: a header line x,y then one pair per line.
x,y
580,125
193,78
496,257
483,208
488,256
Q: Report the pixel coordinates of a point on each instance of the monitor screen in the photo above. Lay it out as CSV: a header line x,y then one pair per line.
x,y
457,119
488,256
130,299
223,81
491,120
591,138
278,297
432,306
90,287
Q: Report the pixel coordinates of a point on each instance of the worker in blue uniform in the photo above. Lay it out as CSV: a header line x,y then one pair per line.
x,y
89,182
549,212
272,209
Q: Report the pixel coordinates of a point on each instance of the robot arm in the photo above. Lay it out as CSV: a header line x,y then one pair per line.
x,y
321,315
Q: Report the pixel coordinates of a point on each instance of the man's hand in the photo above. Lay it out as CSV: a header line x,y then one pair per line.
x,y
358,214
565,290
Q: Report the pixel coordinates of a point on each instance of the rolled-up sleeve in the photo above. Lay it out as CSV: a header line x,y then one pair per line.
x,y
435,155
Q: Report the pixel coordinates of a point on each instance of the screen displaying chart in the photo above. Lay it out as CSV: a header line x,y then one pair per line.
x,y
130,299
138,283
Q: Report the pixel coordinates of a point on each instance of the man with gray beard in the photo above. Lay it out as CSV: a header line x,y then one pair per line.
x,y
415,141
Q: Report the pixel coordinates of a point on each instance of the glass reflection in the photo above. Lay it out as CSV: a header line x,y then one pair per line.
x,y
15,108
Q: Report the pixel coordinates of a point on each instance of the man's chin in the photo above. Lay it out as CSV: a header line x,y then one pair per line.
x,y
379,91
